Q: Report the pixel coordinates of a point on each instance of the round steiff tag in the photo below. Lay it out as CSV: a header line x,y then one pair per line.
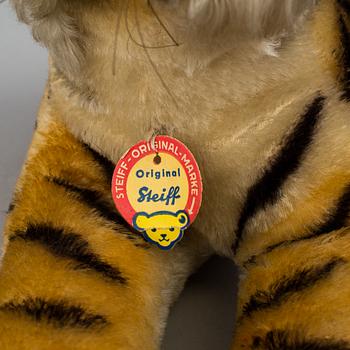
x,y
157,188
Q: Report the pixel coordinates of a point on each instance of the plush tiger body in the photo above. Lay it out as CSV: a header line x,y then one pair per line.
x,y
269,126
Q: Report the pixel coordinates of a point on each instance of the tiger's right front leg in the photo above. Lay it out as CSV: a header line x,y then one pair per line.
x,y
73,275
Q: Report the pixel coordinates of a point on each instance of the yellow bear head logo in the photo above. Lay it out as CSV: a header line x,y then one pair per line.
x,y
163,228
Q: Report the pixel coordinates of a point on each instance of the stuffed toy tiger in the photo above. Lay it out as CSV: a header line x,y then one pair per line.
x,y
259,91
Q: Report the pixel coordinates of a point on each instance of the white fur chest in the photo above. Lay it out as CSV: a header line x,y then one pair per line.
x,y
231,137
231,107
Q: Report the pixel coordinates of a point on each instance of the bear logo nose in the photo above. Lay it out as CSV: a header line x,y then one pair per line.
x,y
163,235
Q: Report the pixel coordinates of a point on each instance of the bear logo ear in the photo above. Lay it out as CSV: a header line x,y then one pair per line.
x,y
141,221
183,219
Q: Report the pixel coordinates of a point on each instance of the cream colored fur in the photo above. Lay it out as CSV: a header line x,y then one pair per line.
x,y
267,18
228,100
54,22
54,26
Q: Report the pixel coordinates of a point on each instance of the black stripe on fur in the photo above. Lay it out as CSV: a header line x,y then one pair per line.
x,y
57,313
289,285
345,59
345,5
336,221
11,207
91,198
72,246
96,202
12,204
103,161
266,190
284,340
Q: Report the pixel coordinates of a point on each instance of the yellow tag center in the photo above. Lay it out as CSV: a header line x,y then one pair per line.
x,y
158,187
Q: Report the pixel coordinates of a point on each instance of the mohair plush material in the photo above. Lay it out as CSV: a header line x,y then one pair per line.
x,y
259,91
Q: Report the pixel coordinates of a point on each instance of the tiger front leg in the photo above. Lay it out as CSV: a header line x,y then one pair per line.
x,y
297,296
73,274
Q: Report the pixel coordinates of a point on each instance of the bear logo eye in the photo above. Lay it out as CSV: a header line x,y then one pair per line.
x,y
171,229
182,219
154,230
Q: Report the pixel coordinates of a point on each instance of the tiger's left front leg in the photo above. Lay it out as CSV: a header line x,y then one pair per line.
x,y
73,275
296,295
